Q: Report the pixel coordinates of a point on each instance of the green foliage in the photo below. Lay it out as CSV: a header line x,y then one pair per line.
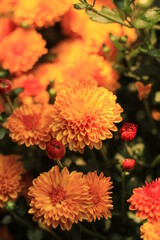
x,y
2,133
34,234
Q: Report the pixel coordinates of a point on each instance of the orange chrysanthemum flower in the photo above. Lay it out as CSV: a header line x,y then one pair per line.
x,y
146,201
10,178
59,198
45,72
32,89
40,13
29,125
150,231
99,191
7,6
19,53
6,27
84,116
73,58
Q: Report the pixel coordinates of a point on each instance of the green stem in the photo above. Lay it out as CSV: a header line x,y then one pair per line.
x,y
60,164
128,149
123,193
54,235
9,103
21,221
154,130
89,232
94,1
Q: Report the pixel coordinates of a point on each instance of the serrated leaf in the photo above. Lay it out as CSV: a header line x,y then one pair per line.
x,y
154,53
79,6
108,15
112,14
2,133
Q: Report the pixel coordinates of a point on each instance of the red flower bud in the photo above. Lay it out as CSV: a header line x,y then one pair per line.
x,y
128,131
55,150
5,86
128,164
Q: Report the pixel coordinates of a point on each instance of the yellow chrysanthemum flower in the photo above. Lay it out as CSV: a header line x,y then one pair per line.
x,y
19,53
150,231
59,198
84,116
29,125
99,191
40,13
10,178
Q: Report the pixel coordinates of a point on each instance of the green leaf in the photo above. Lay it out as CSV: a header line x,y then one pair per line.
x,y
2,133
34,234
105,15
140,24
127,8
3,116
147,20
4,73
79,6
154,53
97,18
112,14
16,92
6,220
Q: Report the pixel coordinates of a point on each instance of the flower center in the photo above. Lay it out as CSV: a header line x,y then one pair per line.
x,y
31,122
57,195
154,191
95,196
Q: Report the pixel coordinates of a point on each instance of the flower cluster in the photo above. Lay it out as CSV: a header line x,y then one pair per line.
x,y
63,198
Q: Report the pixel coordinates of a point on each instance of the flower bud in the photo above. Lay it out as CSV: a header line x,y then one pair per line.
x,y
128,131
128,164
5,86
55,150
10,205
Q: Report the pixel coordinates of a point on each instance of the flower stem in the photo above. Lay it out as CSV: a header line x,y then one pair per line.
x,y
9,103
89,232
60,164
154,130
128,149
54,235
123,193
21,221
